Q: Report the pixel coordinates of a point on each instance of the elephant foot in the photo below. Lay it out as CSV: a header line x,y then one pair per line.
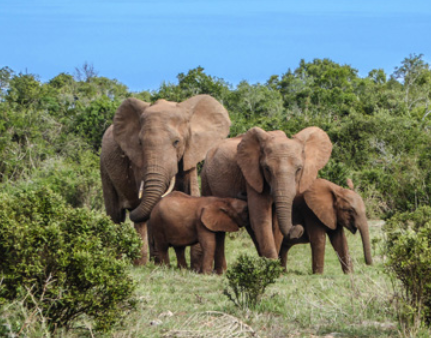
x,y
196,254
296,232
141,261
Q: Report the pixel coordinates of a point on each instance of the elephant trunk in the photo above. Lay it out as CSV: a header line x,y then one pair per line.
x,y
154,186
283,200
366,242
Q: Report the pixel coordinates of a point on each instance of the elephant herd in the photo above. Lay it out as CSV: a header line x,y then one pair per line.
x,y
261,180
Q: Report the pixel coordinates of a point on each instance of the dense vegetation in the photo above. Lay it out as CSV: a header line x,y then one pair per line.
x,y
409,259
379,125
50,132
64,260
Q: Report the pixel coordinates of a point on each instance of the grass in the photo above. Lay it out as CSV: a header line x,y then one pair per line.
x,y
299,304
174,303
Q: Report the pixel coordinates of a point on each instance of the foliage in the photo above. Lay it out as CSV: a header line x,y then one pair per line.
x,y
72,260
94,120
248,278
76,178
409,260
5,76
193,83
380,127
416,77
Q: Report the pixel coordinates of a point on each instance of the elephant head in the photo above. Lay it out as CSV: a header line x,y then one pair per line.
x,y
334,205
284,166
225,215
156,137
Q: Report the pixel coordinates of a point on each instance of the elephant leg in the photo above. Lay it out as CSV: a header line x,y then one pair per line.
x,y
283,255
253,238
151,243
339,243
181,258
191,187
317,237
220,259
164,256
196,254
111,199
260,214
208,242
206,190
141,229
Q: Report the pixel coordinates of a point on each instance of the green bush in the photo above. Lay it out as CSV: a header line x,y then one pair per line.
x,y
248,278
73,261
97,117
409,260
76,178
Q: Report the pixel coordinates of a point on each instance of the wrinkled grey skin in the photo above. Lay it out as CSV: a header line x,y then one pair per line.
x,y
180,220
267,169
152,143
326,209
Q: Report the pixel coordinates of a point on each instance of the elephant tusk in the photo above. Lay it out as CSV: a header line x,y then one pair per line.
x,y
171,187
141,190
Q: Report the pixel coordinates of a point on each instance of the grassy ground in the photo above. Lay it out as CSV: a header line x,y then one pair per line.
x,y
173,303
178,303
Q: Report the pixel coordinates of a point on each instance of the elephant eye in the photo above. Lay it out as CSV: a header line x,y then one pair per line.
x,y
176,142
267,169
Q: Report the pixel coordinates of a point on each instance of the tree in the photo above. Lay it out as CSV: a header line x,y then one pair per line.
x,y
320,86
5,76
377,75
24,90
255,100
415,75
62,80
193,83
86,72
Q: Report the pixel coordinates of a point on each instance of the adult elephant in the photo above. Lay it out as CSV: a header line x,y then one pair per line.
x,y
327,208
268,169
152,146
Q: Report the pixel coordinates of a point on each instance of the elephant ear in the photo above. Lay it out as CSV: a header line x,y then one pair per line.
x,y
209,124
248,157
127,126
320,198
215,218
317,151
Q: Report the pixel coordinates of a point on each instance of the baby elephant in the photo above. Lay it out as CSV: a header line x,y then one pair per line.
x,y
327,208
180,220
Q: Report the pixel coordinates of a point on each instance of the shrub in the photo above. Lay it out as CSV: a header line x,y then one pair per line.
x,y
409,260
248,279
92,123
73,261
76,178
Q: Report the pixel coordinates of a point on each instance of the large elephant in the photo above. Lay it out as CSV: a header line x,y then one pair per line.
x,y
180,220
268,169
327,208
150,145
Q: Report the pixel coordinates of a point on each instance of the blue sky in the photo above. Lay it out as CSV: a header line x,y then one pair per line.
x,y
143,43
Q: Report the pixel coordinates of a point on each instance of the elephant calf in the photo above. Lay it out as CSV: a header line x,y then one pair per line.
x,y
327,208
180,220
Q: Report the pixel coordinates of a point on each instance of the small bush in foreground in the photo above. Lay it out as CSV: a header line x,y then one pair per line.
x,y
409,260
72,261
248,278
